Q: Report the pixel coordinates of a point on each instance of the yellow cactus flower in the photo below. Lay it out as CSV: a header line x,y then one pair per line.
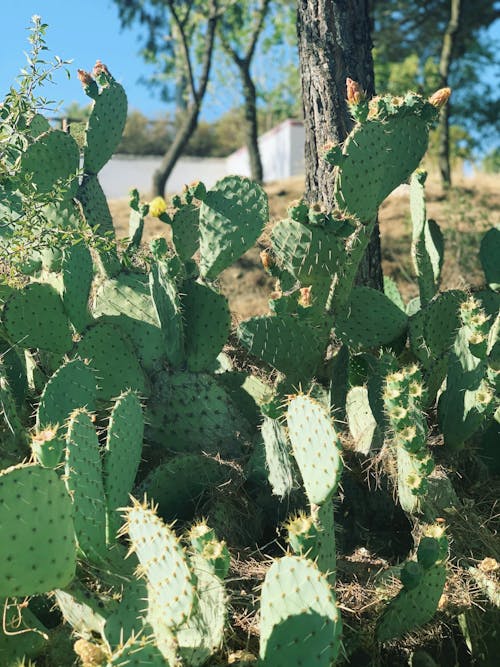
x,y
157,206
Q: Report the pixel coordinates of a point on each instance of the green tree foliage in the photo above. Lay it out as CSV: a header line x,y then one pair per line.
x,y
491,161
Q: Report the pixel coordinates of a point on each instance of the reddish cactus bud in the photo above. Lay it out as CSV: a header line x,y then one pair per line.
x,y
355,94
100,68
440,97
305,299
85,77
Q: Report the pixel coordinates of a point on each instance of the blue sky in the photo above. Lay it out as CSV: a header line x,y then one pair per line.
x,y
81,30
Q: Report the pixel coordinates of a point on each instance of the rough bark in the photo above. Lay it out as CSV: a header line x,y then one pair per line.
x,y
334,43
444,71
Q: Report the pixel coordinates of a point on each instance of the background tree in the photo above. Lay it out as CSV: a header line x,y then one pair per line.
x,y
334,43
423,33
239,30
180,41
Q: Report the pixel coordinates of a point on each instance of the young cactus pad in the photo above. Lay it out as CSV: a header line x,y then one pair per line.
x,y
300,622
316,447
37,549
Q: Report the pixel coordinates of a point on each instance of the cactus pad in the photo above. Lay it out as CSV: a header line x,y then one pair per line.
x,y
105,127
37,550
278,462
95,206
316,447
122,456
83,476
53,156
77,274
207,323
490,258
34,317
300,622
112,357
232,217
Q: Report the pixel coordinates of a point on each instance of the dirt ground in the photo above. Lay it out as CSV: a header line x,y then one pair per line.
x,y
471,207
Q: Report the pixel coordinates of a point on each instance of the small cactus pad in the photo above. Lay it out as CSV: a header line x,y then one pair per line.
x,y
53,156
129,617
207,323
278,461
105,127
72,386
34,317
362,423
37,549
291,345
300,622
171,589
138,652
127,302
411,608
185,231
232,217
77,272
490,258
95,206
167,305
122,456
316,447
112,357
370,320
83,475
82,609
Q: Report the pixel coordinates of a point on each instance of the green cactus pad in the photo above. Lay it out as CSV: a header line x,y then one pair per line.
x,y
72,386
127,302
171,585
412,608
12,433
105,127
166,300
139,653
34,317
85,612
490,258
95,206
278,462
382,153
300,622
293,346
308,252
112,357
77,275
207,323
427,242
128,618
37,550
52,157
316,447
178,485
370,320
83,476
203,634
391,290
13,366
191,412
26,638
232,217
362,424
185,231
122,456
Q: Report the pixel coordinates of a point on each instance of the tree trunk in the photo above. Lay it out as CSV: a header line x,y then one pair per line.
x,y
184,132
444,71
334,43
251,124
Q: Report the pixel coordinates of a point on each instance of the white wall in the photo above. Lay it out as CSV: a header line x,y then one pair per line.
x,y
124,172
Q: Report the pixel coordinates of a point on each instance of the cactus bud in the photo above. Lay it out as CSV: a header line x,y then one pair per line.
x,y
305,298
440,97
89,84
355,94
102,73
90,654
267,259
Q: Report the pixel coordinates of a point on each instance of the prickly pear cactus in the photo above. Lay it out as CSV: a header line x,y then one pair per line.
x,y
300,622
37,550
